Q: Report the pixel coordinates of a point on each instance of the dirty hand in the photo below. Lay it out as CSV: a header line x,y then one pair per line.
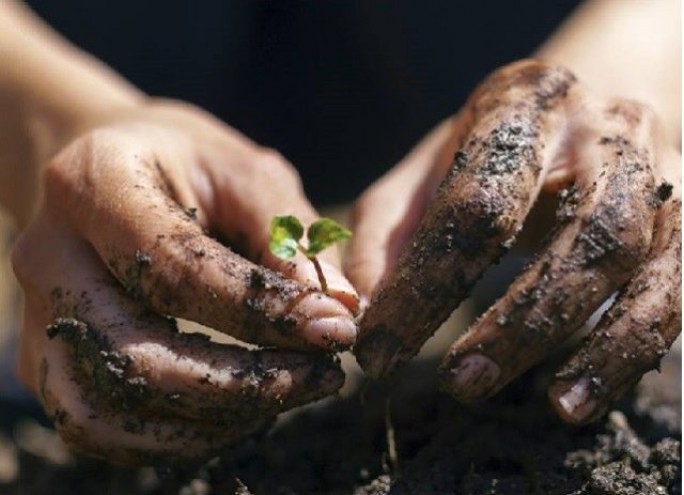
x,y
118,246
427,230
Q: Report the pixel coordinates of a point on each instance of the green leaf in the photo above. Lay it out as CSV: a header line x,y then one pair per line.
x,y
286,230
324,233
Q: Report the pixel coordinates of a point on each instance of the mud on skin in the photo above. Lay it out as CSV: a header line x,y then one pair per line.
x,y
162,391
152,384
532,127
173,261
175,443
512,446
113,370
605,232
478,210
628,343
258,320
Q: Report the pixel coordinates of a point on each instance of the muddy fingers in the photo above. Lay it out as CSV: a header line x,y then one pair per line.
x,y
111,371
535,129
117,247
96,428
634,334
605,231
479,208
148,368
161,255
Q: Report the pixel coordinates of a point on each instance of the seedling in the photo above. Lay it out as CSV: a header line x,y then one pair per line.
x,y
287,232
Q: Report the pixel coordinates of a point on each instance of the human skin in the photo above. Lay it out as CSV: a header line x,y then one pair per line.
x,y
114,193
427,230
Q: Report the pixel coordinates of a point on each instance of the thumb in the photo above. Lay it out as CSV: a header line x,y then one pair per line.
x,y
253,188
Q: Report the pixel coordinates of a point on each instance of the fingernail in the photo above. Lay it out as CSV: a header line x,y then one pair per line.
x,y
334,332
473,377
576,402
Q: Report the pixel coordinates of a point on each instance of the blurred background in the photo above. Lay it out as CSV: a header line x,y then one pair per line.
x,y
329,84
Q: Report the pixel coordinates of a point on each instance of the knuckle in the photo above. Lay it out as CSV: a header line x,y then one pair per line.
x,y
60,174
616,234
98,157
548,82
631,112
162,274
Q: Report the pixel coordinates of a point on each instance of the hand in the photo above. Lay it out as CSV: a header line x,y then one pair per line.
x,y
119,244
528,129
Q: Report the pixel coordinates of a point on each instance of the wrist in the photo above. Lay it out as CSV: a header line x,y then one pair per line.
x,y
39,122
44,127
53,117
625,48
50,92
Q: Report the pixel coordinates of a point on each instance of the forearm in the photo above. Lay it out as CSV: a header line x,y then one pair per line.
x,y
628,48
49,91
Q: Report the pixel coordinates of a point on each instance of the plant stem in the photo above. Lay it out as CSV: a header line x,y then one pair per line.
x,y
319,272
317,266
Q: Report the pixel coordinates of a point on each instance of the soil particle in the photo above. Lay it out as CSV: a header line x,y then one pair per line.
x,y
661,194
191,213
242,489
664,191
598,238
142,258
378,486
615,478
567,208
460,161
509,147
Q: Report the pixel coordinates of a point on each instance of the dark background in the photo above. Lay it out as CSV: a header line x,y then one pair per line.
x,y
343,88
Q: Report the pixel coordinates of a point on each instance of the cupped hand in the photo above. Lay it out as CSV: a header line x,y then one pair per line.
x,y
427,230
119,246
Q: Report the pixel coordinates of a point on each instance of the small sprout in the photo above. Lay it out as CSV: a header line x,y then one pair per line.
x,y
287,232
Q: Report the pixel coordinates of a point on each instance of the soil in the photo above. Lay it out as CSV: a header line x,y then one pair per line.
x,y
513,444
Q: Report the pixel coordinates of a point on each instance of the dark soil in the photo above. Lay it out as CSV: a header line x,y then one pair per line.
x,y
513,444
